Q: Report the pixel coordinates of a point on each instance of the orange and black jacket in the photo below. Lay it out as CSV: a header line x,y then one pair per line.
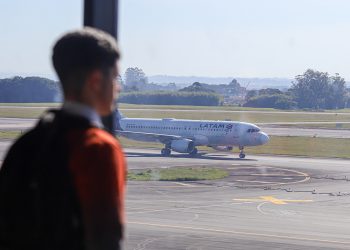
x,y
62,187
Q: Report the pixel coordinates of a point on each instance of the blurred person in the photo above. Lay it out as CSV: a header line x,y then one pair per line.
x,y
62,183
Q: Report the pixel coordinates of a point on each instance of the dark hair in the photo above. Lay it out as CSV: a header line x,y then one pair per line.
x,y
79,52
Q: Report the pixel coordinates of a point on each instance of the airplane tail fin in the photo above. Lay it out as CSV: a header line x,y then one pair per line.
x,y
118,116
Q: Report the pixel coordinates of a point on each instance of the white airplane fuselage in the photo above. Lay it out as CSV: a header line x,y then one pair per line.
x,y
216,134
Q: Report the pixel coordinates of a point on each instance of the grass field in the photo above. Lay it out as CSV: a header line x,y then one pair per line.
x,y
21,112
136,106
181,107
254,117
303,146
337,126
37,104
279,145
185,107
251,116
228,108
4,135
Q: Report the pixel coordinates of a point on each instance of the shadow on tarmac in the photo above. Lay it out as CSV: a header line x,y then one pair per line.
x,y
198,156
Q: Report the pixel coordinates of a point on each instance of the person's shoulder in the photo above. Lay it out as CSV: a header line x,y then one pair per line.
x,y
99,137
28,139
23,149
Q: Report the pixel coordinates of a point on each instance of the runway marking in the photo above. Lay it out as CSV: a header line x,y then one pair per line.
x,y
277,175
175,186
299,174
259,207
261,182
196,216
274,200
213,230
184,184
184,208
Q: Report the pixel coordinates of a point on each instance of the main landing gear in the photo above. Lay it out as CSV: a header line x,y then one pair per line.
x,y
165,152
193,152
241,152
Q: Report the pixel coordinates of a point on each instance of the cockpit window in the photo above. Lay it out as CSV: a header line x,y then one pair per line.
x,y
253,130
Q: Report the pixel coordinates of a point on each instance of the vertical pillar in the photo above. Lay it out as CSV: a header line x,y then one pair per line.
x,y
103,14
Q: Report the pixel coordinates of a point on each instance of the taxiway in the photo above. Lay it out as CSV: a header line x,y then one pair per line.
x,y
267,202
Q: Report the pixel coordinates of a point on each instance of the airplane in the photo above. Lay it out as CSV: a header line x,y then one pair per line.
x,y
183,136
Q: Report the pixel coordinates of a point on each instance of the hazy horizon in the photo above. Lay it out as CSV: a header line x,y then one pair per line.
x,y
239,38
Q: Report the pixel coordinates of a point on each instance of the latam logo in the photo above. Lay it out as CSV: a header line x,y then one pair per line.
x,y
215,125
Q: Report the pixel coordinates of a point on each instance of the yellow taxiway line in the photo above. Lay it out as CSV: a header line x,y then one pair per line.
x,y
273,200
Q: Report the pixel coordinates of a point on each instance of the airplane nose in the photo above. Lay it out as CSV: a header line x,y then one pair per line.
x,y
264,138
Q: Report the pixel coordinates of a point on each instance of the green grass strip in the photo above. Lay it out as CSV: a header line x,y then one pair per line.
x,y
279,145
304,146
10,134
34,104
21,112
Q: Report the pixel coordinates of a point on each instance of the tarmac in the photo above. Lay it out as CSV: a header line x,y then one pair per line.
x,y
266,202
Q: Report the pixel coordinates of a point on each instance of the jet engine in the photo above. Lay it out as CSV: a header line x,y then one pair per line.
x,y
182,146
222,148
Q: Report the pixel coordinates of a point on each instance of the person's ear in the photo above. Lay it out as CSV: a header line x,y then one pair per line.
x,y
94,80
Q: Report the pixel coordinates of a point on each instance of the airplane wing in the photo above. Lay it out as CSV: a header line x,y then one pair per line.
x,y
165,139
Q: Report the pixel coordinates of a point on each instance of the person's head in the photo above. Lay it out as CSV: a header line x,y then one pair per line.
x,y
86,64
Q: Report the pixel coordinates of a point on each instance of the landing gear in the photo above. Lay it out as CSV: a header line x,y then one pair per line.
x,y
165,151
193,152
241,152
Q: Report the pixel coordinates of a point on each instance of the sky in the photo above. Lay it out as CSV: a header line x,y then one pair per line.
x,y
221,38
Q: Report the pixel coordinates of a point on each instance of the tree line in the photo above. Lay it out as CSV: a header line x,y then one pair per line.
x,y
29,89
311,90
172,98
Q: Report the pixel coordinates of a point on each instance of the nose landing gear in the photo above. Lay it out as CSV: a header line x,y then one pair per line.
x,y
241,152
